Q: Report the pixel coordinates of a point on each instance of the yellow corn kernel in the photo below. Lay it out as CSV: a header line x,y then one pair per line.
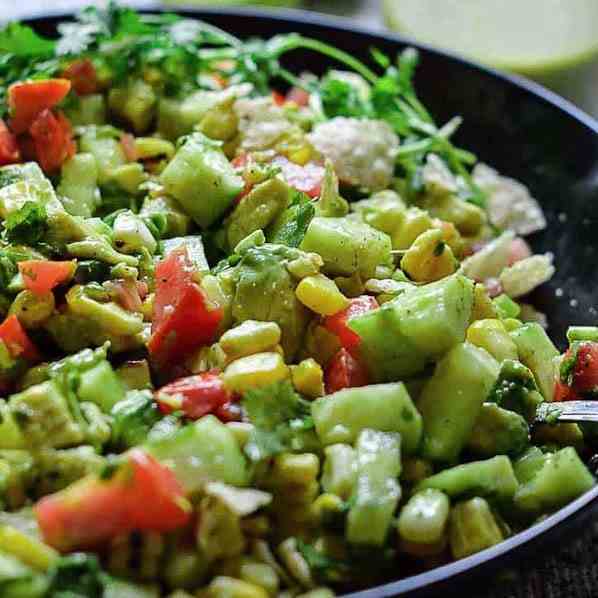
x,y
413,223
308,264
301,155
429,258
32,309
512,324
250,337
255,370
295,563
153,147
483,307
450,235
321,295
25,548
260,574
289,468
308,378
493,336
326,507
228,587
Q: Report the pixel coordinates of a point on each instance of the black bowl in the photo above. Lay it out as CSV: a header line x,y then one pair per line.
x,y
524,131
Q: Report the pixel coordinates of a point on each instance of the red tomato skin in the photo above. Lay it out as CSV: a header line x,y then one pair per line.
x,y
53,140
142,495
307,178
200,394
127,142
298,96
562,392
585,374
278,98
9,149
27,99
344,371
41,276
337,323
182,320
83,76
15,338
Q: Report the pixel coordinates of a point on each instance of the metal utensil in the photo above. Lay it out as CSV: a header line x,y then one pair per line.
x,y
568,411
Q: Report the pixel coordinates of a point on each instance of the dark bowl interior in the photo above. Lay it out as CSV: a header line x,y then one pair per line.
x,y
525,132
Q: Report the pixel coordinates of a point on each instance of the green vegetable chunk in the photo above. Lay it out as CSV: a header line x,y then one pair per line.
x,y
561,478
205,450
202,180
451,400
78,185
418,326
498,431
377,491
347,246
423,520
341,416
492,478
133,418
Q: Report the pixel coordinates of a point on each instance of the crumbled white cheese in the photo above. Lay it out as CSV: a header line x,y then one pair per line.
x,y
510,205
437,178
362,151
261,123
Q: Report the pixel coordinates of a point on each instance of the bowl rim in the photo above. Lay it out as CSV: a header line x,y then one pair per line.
x,y
558,520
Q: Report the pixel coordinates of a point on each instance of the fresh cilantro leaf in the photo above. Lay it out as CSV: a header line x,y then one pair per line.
x,y
20,40
568,364
290,227
340,98
280,417
323,567
77,575
28,225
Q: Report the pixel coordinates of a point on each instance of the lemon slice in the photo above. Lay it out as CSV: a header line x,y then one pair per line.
x,y
532,37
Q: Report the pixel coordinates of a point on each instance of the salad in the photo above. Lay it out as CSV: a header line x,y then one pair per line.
x,y
264,333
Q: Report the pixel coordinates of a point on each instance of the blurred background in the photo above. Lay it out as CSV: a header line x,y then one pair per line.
x,y
554,42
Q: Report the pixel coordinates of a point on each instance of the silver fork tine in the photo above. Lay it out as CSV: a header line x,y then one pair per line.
x,y
568,411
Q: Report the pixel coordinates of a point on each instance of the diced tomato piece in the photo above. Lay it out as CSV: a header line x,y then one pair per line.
x,y
241,160
15,338
344,371
229,412
562,392
127,141
298,96
307,178
278,98
141,495
337,323
182,320
195,395
83,76
9,150
53,140
585,372
41,276
28,99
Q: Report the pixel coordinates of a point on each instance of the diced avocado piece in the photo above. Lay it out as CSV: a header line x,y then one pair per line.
x,y
202,180
562,478
452,399
383,210
42,413
257,210
78,185
135,104
538,353
377,491
264,290
133,418
16,477
179,117
418,326
177,223
56,469
342,415
100,384
135,375
498,431
205,450
103,143
87,110
528,464
492,478
11,436
347,246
